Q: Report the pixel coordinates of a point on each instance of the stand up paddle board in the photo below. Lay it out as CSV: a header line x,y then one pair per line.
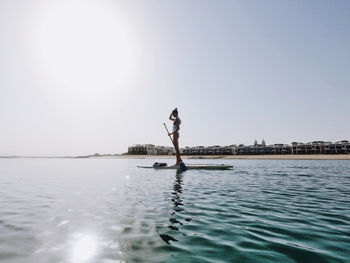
x,y
191,167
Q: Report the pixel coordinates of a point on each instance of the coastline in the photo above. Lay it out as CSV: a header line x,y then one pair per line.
x,y
262,157
199,157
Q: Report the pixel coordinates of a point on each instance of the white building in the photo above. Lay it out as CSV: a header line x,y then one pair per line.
x,y
149,149
165,150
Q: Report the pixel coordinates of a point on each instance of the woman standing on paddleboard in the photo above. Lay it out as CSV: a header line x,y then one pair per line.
x,y
174,116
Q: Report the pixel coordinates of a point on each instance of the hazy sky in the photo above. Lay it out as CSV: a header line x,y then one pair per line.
x,y
79,77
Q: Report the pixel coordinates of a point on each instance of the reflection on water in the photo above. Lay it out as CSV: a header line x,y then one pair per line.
x,y
177,202
177,208
107,210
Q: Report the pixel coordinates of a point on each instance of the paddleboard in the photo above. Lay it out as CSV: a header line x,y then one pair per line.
x,y
191,167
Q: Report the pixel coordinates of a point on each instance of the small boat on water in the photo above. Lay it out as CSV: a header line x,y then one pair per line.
x,y
160,166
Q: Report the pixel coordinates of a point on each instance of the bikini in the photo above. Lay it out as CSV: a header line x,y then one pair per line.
x,y
174,126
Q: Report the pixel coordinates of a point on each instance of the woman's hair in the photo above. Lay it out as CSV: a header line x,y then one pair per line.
x,y
175,112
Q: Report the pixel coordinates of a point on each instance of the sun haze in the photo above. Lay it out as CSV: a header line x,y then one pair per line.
x,y
79,77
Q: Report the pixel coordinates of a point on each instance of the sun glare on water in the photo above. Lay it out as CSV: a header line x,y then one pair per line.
x,y
84,249
84,47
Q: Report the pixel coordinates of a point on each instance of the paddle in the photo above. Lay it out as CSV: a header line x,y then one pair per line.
x,y
182,164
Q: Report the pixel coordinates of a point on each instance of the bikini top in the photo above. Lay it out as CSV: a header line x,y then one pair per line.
x,y
175,126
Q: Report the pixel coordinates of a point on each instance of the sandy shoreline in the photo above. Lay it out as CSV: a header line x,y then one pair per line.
x,y
267,157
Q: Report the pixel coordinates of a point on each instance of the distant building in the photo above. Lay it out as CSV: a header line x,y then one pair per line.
x,y
150,149
315,147
142,149
165,150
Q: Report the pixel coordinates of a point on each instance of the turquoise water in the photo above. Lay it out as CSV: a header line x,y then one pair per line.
x,y
107,210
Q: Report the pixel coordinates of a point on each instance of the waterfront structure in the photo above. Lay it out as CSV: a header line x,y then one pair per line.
x,y
150,149
321,147
263,149
315,147
165,150
211,150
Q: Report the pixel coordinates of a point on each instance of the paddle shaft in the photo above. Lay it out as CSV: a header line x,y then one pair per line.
x,y
169,134
182,164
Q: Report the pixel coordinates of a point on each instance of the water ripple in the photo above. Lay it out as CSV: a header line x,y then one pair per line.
x,y
107,210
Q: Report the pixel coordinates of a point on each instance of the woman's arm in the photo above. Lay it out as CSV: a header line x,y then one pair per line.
x,y
177,129
171,117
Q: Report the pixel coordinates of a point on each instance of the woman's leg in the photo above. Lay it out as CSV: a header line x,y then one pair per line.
x,y
176,145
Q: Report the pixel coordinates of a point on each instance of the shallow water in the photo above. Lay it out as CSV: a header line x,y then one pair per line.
x,y
107,210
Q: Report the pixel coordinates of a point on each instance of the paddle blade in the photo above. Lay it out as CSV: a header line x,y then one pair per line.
x,y
182,166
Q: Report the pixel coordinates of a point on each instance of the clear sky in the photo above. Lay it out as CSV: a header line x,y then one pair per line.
x,y
79,77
